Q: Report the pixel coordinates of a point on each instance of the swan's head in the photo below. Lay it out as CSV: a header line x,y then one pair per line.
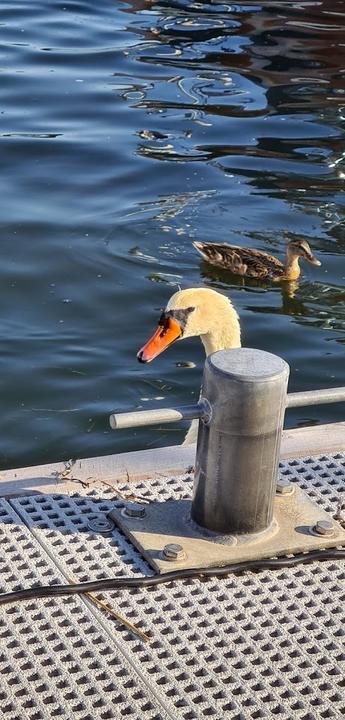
x,y
300,248
196,311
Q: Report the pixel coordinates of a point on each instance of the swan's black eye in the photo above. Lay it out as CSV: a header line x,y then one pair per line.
x,y
165,328
164,322
164,319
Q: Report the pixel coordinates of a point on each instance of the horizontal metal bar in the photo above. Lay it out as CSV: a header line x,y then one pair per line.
x,y
315,397
140,418
118,421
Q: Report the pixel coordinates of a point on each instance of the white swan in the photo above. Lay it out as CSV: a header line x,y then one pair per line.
x,y
196,311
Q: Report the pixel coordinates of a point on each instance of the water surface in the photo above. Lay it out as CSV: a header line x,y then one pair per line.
x,y
128,130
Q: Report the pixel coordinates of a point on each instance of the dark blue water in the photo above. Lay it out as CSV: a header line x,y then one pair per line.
x,y
128,129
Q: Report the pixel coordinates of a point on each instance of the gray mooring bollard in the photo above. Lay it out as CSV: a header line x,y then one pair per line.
x,y
238,450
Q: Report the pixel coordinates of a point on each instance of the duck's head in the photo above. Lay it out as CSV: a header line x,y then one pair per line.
x,y
300,248
196,311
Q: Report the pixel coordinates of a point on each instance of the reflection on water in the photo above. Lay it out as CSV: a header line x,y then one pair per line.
x,y
128,130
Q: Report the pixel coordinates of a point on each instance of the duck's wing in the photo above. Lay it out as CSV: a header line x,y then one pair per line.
x,y
241,261
261,264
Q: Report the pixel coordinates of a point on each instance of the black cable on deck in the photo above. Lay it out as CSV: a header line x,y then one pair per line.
x,y
42,591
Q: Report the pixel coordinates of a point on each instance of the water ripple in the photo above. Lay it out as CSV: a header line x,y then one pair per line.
x,y
127,130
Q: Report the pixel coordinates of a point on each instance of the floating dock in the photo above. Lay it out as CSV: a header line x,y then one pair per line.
x,y
267,644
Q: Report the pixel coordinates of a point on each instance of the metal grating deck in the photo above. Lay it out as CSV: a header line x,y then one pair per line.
x,y
259,645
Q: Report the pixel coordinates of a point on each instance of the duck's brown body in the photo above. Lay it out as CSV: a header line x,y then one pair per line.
x,y
256,263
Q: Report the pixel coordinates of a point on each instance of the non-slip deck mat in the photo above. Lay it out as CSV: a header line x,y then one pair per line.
x,y
257,645
57,660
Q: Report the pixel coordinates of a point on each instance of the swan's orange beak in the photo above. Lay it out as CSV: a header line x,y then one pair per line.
x,y
164,336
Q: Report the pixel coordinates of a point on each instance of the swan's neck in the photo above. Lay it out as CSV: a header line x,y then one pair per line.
x,y
226,333
221,339
218,339
292,270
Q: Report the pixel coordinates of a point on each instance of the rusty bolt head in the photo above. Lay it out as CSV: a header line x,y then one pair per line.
x,y
283,487
173,551
134,510
324,527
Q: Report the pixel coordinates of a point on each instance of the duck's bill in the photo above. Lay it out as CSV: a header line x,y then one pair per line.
x,y
160,340
313,260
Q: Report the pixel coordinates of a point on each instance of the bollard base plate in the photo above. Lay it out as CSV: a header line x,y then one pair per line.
x,y
295,516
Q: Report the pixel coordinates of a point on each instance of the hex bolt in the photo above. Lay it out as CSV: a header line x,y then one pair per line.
x,y
324,527
134,510
173,551
284,487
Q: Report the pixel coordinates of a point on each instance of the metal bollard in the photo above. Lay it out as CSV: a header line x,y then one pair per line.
x,y
238,450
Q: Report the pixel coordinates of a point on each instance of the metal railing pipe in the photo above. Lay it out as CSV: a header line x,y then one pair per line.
x,y
315,397
238,450
118,421
140,418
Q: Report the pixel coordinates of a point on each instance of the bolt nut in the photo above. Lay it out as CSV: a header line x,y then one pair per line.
x,y
100,523
173,551
284,487
134,510
324,527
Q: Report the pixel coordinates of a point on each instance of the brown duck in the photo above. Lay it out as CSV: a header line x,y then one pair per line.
x,y
256,263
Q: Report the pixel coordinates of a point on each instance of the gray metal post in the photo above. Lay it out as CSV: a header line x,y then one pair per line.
x,y
238,450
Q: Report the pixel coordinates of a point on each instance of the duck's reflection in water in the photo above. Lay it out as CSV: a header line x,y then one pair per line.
x,y
309,303
226,279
